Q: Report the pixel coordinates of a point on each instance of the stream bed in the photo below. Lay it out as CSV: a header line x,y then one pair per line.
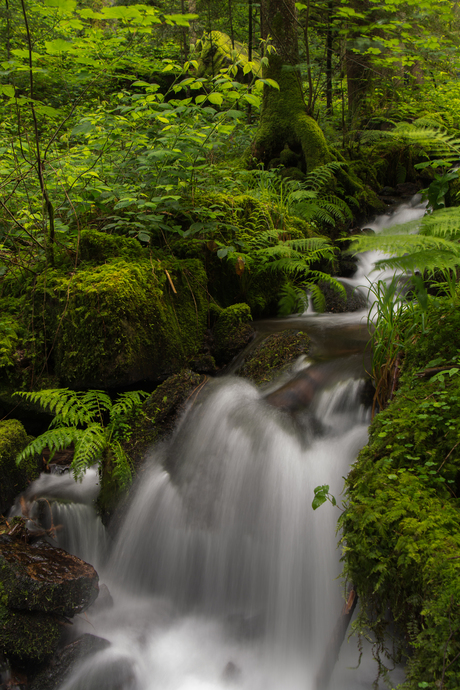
x,y
222,575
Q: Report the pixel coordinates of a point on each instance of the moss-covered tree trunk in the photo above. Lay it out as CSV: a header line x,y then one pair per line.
x,y
286,132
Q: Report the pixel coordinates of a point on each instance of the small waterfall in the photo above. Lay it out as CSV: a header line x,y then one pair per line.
x,y
222,574
58,503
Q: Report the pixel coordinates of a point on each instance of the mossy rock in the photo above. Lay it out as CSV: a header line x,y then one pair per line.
x,y
65,660
232,332
122,322
13,480
273,354
401,523
160,414
28,639
98,247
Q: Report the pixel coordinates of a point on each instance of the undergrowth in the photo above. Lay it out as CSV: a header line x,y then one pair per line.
x,y
401,536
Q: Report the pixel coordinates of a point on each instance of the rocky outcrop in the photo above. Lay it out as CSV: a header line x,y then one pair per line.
x,y
40,587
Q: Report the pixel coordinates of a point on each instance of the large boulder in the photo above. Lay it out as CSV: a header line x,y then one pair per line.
x,y
119,318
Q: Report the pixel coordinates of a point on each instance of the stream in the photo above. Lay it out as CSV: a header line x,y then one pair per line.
x,y
222,575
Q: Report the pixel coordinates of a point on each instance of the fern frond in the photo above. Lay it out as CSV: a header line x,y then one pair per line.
x,y
54,439
289,266
317,297
89,447
322,175
128,401
122,470
332,282
96,402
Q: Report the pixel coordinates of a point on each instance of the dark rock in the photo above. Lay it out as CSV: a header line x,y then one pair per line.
x,y
273,353
40,577
28,638
104,600
407,188
65,660
387,191
335,302
110,673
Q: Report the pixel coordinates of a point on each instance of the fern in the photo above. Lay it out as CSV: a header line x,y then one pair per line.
x,y
427,245
79,422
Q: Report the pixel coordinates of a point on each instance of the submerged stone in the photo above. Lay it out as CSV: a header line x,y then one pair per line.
x,y
65,660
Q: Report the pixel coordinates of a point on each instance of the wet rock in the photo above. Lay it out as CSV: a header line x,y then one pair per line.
x,y
387,191
104,601
270,355
65,660
41,577
110,673
28,638
336,303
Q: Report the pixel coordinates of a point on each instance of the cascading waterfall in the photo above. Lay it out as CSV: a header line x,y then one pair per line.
x,y
222,574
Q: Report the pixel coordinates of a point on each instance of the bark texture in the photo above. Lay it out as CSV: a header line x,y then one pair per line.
x,y
284,123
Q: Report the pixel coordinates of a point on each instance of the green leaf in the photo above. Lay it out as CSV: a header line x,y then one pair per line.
x,y
58,45
64,5
215,98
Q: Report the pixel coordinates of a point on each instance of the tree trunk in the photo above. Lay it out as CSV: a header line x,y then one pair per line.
x,y
286,133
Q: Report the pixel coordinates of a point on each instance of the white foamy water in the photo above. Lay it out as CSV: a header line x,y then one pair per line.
x,y
222,575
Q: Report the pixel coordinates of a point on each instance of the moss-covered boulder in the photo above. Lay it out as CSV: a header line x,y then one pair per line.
x,y
232,332
13,439
123,321
274,353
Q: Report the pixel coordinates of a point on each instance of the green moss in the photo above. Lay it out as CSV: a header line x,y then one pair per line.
x,y
284,122
13,439
232,332
29,638
401,531
97,247
274,353
121,321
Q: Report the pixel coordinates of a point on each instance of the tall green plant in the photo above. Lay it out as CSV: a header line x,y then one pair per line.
x,y
91,423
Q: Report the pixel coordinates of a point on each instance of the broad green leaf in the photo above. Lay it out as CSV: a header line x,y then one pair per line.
x,y
58,45
215,98
7,90
252,100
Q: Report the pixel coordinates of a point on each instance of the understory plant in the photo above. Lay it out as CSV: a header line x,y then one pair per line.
x,y
90,423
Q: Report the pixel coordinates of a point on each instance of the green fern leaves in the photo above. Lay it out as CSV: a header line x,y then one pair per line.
x,y
428,245
80,421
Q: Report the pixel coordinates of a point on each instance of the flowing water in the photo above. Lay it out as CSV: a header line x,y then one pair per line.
x,y
222,574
